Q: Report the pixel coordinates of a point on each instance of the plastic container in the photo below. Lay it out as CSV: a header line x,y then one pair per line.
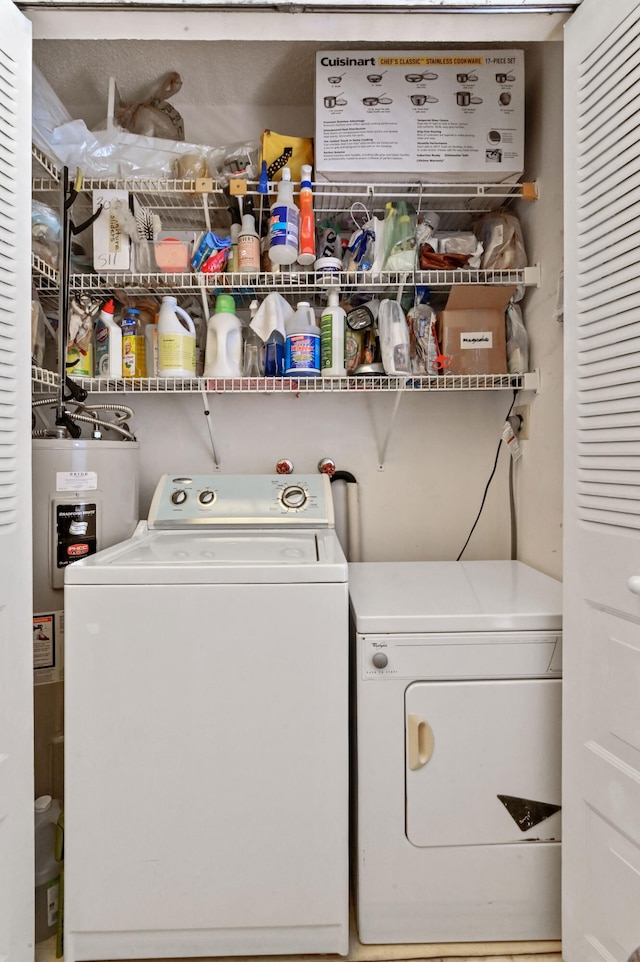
x,y
328,265
47,869
133,352
176,341
108,343
248,246
302,344
394,338
223,357
332,338
307,241
284,224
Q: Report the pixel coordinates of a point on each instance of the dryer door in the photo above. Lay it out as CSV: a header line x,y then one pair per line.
x,y
482,761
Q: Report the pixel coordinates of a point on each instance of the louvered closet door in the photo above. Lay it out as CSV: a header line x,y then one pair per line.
x,y
16,730
601,700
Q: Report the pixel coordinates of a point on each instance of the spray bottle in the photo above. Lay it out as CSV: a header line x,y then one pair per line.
x,y
108,338
283,224
307,242
332,338
248,244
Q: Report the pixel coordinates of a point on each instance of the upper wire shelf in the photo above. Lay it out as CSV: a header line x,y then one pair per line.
x,y
330,197
295,281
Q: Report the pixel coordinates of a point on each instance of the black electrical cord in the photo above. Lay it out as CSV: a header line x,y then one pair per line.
x,y
491,476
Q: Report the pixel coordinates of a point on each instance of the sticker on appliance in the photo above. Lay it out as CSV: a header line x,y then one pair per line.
x,y
48,646
75,532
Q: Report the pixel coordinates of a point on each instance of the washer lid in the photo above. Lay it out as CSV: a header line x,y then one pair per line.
x,y
215,557
426,596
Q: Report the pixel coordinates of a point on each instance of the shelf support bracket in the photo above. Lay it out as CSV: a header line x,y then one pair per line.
x,y
385,443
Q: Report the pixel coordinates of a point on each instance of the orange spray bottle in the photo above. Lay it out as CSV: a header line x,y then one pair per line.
x,y
307,235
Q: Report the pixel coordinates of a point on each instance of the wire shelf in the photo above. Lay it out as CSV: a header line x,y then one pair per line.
x,y
295,281
44,272
288,385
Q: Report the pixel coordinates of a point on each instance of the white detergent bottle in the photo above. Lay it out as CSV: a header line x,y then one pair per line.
x,y
223,356
302,344
176,341
332,338
284,223
108,343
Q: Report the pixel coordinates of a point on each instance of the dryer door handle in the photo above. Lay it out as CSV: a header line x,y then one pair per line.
x,y
420,741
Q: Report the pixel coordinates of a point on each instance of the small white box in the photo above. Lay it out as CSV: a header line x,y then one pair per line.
x,y
447,115
111,246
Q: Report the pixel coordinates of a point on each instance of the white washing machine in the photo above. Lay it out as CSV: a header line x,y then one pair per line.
x,y
206,786
457,671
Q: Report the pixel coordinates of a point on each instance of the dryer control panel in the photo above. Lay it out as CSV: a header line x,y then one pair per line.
x,y
519,654
183,501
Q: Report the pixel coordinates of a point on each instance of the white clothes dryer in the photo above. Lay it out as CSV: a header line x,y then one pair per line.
x,y
206,796
457,671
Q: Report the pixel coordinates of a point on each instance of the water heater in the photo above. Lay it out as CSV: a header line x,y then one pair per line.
x,y
85,498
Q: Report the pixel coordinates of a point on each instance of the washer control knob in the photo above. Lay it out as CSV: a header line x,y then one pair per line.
x,y
380,660
179,496
207,497
294,496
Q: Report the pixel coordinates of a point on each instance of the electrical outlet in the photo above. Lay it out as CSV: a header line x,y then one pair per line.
x,y
524,414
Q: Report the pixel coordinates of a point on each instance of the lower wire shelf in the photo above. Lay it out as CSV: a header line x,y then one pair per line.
x,y
44,380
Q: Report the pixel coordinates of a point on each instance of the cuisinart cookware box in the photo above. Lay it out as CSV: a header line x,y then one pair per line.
x,y
454,115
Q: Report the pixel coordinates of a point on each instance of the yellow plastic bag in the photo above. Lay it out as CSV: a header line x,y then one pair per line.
x,y
281,151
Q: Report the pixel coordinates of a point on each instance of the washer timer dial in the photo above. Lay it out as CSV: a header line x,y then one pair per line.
x,y
294,496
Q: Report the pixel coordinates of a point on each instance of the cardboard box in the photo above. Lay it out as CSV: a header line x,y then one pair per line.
x,y
472,330
434,115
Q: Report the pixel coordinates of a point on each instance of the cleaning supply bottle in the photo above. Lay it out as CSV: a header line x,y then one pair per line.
x,y
176,341
302,344
274,355
283,223
223,357
332,338
133,351
47,869
108,343
248,245
307,241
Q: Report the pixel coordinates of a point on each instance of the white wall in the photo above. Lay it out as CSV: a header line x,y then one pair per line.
x,y
539,478
422,505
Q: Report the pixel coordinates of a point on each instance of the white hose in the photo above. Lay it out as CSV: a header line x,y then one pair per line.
x,y
353,522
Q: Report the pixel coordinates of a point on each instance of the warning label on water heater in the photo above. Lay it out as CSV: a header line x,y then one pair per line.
x,y
76,481
449,113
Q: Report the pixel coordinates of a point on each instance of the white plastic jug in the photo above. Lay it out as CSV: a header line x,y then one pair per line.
x,y
223,356
302,346
176,341
47,869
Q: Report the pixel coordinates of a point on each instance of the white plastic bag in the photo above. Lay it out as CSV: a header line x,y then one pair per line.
x,y
394,338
